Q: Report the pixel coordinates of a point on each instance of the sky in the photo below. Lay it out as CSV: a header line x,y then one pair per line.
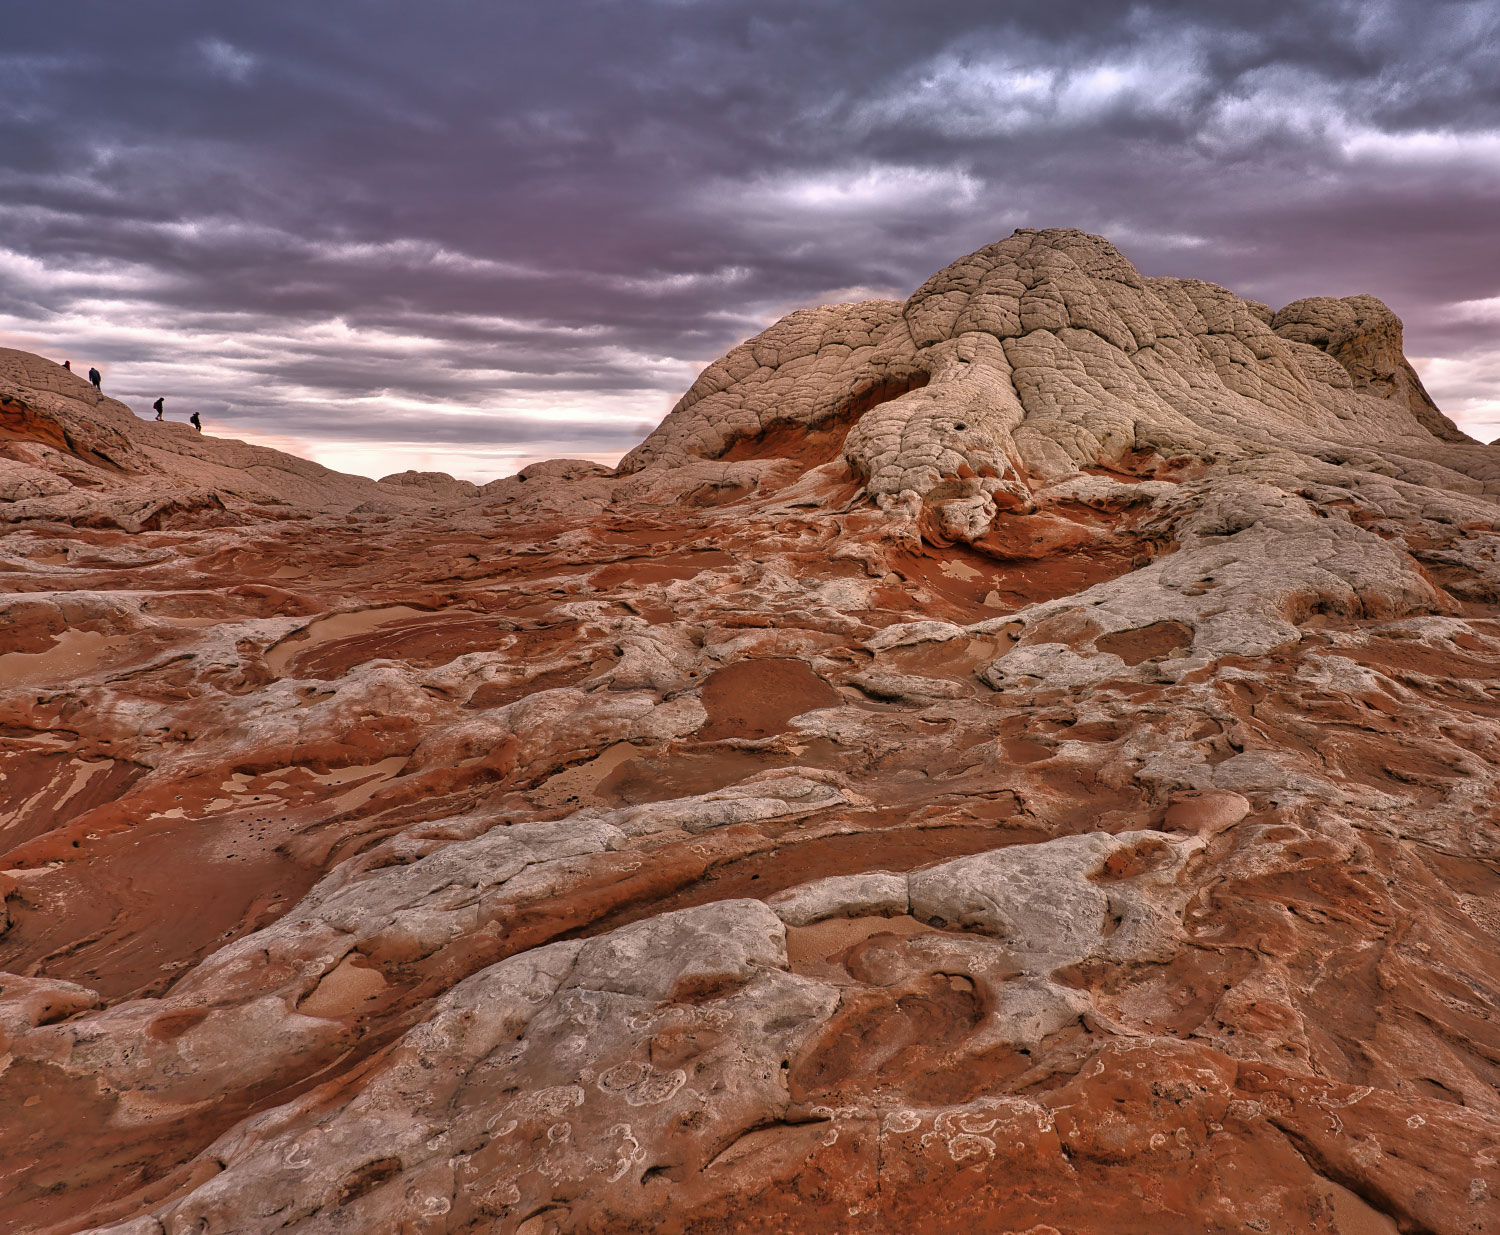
x,y
463,235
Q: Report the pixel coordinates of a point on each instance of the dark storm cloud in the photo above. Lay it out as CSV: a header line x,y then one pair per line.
x,y
521,226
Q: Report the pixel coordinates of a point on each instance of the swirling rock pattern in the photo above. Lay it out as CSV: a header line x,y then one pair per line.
x,y
1021,760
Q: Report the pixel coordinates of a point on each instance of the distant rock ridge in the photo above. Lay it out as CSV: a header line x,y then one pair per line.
x,y
438,484
68,453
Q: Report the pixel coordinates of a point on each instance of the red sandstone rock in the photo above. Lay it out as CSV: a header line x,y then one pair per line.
x,y
1023,760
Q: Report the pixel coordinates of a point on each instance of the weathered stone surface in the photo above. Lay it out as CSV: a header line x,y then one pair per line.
x,y
1024,759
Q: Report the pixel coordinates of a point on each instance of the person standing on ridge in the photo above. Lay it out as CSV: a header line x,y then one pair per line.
x,y
96,379
196,423
68,365
158,406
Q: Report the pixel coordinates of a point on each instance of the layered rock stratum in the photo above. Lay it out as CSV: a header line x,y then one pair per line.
x,y
1023,759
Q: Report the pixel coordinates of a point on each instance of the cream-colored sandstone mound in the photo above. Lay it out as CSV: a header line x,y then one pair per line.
x,y
1021,760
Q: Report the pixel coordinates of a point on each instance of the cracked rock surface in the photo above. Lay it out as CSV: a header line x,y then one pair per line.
x,y
1025,759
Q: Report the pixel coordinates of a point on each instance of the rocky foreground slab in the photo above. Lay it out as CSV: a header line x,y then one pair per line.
x,y
1020,760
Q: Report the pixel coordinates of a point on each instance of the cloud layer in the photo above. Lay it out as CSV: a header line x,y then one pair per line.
x,y
465,236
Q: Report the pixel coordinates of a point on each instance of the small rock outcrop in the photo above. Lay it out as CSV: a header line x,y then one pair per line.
x,y
1021,759
439,484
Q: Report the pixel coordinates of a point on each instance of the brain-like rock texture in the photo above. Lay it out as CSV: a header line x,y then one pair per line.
x,y
1025,759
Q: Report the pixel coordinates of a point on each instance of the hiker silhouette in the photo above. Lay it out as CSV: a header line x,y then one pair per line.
x,y
158,406
96,379
196,423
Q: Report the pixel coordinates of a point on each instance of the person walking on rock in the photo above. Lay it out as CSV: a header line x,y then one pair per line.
x,y
96,379
196,423
158,406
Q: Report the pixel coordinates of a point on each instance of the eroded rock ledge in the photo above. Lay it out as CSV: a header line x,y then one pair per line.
x,y
1024,759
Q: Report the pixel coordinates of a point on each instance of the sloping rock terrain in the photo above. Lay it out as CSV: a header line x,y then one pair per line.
x,y
1020,760
69,454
